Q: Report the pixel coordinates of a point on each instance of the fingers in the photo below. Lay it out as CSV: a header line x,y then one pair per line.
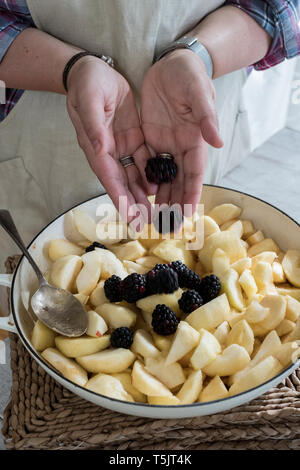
x,y
210,132
194,168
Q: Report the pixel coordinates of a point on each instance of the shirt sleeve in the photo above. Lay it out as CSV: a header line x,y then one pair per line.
x,y
14,18
281,19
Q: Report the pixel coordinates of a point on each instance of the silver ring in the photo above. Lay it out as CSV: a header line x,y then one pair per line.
x,y
126,161
165,155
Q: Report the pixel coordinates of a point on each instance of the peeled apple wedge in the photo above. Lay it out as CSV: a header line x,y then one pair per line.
x,y
129,251
248,228
220,263
85,225
225,212
206,351
170,375
291,266
191,388
108,386
263,275
277,306
255,238
173,250
255,312
110,361
291,291
236,227
62,247
88,277
149,303
233,359
259,374
133,267
295,334
215,390
163,343
164,400
149,261
67,367
210,226
110,233
285,327
65,270
110,264
83,299
242,264
97,326
143,344
241,334
210,315
117,315
222,332
231,287
85,345
228,224
42,337
146,383
186,338
288,353
228,242
70,229
265,256
125,379
292,308
265,245
248,284
98,296
278,273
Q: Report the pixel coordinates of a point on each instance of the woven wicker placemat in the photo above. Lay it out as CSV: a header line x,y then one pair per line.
x,y
44,415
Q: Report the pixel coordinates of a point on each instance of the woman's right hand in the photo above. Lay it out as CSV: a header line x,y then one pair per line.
x,y
102,109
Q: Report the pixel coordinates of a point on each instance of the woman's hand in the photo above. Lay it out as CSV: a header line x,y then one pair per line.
x,y
178,115
103,111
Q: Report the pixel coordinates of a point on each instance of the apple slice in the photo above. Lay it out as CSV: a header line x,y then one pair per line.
x,y
241,334
277,306
149,303
206,351
291,266
143,344
125,379
214,390
85,345
295,334
67,367
110,264
64,271
255,312
129,251
85,225
173,250
265,245
88,277
220,263
83,299
248,284
255,238
241,264
108,386
133,267
263,276
265,256
210,226
109,361
163,400
97,326
228,224
236,227
186,338
42,337
292,308
61,247
98,297
248,229
221,333
70,229
278,273
225,212
146,383
288,353
285,327
210,315
291,291
163,343
257,375
231,287
233,359
149,261
228,242
191,389
170,375
117,315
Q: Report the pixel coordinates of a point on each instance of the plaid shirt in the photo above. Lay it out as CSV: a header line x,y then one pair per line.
x,y
280,18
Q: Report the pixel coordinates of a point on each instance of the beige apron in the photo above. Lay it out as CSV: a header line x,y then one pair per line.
x,y
43,172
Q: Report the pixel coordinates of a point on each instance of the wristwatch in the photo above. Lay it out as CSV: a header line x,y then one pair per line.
x,y
194,45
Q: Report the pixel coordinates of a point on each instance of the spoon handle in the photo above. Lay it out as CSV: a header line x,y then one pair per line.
x,y
8,224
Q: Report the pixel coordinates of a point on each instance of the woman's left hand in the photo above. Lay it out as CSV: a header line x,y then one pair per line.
x,y
178,115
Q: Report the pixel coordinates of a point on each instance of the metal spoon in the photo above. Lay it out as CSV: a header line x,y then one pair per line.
x,y
55,307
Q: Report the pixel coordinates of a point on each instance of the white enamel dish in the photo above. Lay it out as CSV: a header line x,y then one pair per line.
x,y
274,223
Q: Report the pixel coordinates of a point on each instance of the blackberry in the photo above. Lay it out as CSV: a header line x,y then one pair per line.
x,y
190,301
134,287
112,289
95,245
162,279
210,287
121,338
164,320
161,169
186,277
169,220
